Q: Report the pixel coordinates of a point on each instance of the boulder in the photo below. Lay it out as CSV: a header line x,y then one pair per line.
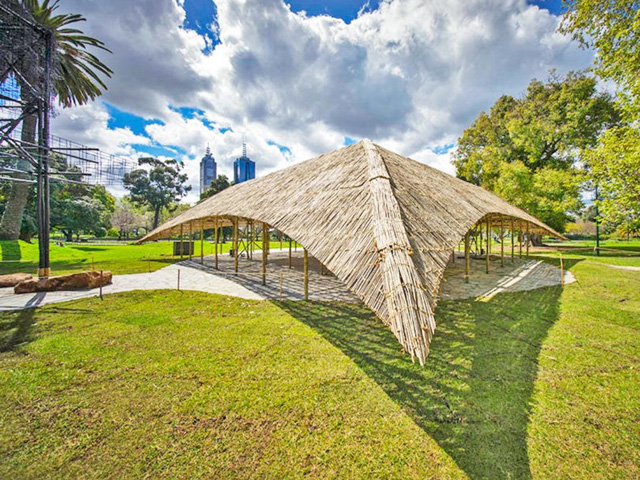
x,y
64,282
13,279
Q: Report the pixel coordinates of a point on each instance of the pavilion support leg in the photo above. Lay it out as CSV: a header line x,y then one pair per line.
x,y
181,241
215,242
265,232
513,232
290,242
467,258
520,240
528,239
488,245
235,245
201,242
306,274
502,242
190,240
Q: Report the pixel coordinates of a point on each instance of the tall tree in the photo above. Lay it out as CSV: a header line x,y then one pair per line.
x,y
528,150
76,80
160,186
612,28
615,169
216,186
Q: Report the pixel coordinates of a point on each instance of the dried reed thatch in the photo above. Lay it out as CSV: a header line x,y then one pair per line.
x,y
384,224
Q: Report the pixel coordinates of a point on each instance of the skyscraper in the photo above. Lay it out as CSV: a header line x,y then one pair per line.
x,y
208,170
243,168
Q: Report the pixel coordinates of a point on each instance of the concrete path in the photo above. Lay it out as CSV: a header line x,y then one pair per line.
x,y
190,279
286,283
621,267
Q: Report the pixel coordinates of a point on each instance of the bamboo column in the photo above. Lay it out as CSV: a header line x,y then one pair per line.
x,y
306,274
528,238
513,245
290,241
467,259
181,240
501,242
520,239
190,240
215,242
265,231
201,242
488,244
235,244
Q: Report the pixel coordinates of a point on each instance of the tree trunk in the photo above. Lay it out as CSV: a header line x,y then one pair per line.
x,y
536,239
156,217
11,222
68,235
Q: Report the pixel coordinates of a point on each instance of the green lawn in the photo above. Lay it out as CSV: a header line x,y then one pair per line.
x,y
541,384
19,256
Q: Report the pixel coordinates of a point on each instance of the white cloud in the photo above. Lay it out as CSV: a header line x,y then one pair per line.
x,y
411,75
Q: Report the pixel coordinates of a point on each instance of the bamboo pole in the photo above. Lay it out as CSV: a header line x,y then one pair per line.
x,y
513,244
520,240
190,240
265,230
467,259
181,240
561,270
235,244
488,244
501,242
306,274
290,241
215,241
201,242
528,238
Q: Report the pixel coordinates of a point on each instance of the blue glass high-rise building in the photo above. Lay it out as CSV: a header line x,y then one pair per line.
x,y
243,168
208,170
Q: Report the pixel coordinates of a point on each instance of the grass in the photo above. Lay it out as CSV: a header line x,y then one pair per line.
x,y
202,386
19,256
540,384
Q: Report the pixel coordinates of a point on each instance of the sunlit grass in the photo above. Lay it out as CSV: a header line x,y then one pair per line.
x,y
166,384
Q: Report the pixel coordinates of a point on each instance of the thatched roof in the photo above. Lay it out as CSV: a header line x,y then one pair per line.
x,y
384,224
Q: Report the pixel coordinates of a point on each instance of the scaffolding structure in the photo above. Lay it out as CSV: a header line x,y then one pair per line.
x,y
28,152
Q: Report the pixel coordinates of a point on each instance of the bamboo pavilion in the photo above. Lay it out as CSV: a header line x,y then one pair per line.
x,y
384,224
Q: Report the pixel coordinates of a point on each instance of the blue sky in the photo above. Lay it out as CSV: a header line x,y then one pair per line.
x,y
412,77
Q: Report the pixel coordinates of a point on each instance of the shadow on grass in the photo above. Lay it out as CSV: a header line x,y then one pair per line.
x,y
15,329
474,394
10,250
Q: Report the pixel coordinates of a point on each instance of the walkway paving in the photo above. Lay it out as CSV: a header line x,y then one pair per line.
x,y
621,267
519,275
286,283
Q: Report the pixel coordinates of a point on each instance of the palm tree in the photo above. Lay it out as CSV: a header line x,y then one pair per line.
x,y
76,81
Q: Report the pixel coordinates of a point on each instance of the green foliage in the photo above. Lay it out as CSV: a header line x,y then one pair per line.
x,y
216,186
615,168
612,28
76,71
73,215
161,186
528,150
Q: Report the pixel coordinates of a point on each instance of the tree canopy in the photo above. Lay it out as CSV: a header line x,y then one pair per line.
x,y
615,169
528,150
216,186
160,186
612,28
